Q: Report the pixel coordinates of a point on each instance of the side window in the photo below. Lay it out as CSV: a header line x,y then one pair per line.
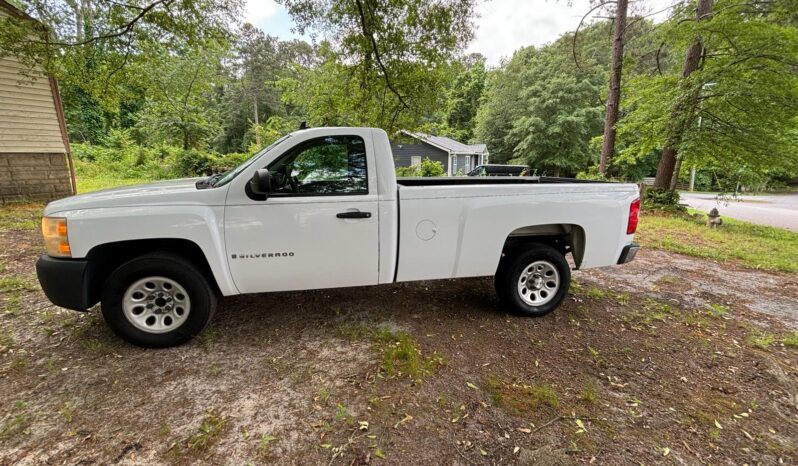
x,y
327,165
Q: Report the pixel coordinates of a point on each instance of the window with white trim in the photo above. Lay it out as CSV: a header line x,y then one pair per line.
x,y
415,160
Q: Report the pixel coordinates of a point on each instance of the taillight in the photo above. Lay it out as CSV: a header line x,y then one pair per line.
x,y
634,214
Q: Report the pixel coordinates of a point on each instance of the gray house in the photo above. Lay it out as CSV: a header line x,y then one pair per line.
x,y
456,157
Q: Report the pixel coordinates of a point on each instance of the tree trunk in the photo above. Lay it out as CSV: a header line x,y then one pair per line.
x,y
256,119
614,94
676,170
667,162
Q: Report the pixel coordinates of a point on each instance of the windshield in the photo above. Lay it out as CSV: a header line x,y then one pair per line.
x,y
228,176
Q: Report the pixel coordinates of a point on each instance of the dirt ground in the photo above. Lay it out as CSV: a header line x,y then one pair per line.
x,y
667,360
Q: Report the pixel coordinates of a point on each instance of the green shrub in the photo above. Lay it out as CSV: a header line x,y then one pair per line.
x,y
228,161
430,168
193,162
661,199
126,160
407,171
592,173
427,168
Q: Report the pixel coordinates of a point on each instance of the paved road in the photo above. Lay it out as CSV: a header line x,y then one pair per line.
x,y
778,210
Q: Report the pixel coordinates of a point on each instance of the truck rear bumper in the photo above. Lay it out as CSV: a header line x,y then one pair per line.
x,y
65,282
629,252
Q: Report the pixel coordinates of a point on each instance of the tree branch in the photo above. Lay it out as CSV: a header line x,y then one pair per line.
x,y
642,17
576,33
120,31
370,36
659,70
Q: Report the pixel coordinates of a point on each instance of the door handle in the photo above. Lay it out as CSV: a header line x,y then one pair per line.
x,y
353,214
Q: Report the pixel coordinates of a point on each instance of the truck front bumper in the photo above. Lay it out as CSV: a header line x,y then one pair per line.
x,y
66,282
629,252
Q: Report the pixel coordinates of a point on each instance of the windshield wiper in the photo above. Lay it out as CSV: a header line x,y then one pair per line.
x,y
208,182
213,179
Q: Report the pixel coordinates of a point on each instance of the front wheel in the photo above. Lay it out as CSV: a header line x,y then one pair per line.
x,y
534,282
157,300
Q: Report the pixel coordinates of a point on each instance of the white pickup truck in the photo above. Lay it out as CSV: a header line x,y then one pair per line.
x,y
321,208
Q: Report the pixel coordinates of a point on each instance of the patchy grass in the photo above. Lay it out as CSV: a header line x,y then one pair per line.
x,y
594,353
520,398
67,411
15,283
20,216
761,340
208,432
589,393
402,356
595,293
13,426
717,310
12,306
265,441
655,311
791,340
6,340
87,184
755,246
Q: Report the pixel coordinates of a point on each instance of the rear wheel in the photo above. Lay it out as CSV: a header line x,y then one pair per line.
x,y
157,300
534,281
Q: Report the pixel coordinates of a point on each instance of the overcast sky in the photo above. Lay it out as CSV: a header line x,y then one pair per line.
x,y
502,26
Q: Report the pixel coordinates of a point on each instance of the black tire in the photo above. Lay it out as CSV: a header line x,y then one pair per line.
x,y
202,298
516,263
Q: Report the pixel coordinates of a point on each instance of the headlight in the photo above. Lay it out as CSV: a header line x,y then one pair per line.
x,y
56,242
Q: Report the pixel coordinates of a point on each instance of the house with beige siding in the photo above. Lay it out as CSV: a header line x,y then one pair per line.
x,y
35,161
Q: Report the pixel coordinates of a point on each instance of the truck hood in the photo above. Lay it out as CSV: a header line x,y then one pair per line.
x,y
170,192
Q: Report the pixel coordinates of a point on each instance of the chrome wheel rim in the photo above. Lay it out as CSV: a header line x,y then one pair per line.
x,y
538,283
156,304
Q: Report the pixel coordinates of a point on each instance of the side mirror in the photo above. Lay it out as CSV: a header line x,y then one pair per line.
x,y
261,182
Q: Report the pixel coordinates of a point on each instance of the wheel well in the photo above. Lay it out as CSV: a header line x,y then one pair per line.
x,y
103,259
562,237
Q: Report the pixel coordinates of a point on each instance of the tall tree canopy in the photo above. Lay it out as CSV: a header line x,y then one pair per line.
x,y
739,107
465,97
543,107
95,43
389,55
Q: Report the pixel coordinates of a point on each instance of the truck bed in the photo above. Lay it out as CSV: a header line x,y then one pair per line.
x,y
456,227
479,180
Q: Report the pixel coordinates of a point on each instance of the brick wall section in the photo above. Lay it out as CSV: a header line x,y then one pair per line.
x,y
34,177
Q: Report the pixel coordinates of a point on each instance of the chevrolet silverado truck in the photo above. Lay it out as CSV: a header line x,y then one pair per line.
x,y
321,208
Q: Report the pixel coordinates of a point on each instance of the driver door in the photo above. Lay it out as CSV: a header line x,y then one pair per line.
x,y
319,226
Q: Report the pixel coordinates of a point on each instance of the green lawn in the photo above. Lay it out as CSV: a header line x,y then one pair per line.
x,y
755,246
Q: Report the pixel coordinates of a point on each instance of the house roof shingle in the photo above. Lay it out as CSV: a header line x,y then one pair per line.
x,y
448,144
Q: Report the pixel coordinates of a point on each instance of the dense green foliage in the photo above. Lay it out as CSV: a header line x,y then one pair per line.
x,y
738,112
121,158
386,62
544,108
154,90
